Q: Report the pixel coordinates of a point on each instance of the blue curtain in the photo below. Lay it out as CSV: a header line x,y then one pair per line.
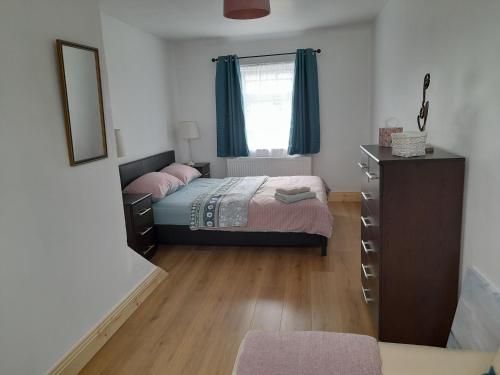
x,y
304,130
231,136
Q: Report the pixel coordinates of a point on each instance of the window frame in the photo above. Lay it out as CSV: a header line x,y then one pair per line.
x,y
254,151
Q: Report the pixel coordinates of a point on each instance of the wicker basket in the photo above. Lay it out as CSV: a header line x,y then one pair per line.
x,y
409,144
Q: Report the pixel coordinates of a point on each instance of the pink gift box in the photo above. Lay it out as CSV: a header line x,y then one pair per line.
x,y
384,136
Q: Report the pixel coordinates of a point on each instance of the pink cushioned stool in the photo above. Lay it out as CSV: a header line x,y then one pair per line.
x,y
307,353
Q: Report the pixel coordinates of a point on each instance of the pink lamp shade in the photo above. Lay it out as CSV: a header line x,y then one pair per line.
x,y
246,9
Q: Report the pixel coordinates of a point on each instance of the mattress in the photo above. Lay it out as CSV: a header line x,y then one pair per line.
x,y
265,213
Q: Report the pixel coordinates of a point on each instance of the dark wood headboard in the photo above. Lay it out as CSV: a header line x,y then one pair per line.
x,y
134,169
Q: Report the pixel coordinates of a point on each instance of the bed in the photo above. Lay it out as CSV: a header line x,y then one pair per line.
x,y
270,223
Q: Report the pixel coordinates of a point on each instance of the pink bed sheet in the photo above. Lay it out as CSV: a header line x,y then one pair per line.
x,y
266,214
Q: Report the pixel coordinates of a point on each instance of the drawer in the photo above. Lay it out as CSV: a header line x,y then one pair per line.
x,y
370,296
369,220
141,207
370,194
144,232
367,164
371,287
370,186
145,243
369,265
143,219
364,162
370,182
370,241
373,166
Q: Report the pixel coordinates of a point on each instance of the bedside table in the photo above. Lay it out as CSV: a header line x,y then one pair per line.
x,y
139,223
203,168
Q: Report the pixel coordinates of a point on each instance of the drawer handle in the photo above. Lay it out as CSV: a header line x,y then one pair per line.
x,y
367,299
367,247
148,250
362,165
367,271
367,222
144,212
371,176
145,231
366,196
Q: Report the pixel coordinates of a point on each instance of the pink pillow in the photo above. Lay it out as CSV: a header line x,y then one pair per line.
x,y
185,173
155,183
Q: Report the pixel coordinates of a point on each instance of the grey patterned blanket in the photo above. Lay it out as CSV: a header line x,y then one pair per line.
x,y
225,205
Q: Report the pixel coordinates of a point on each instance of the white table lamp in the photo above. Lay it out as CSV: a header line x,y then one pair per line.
x,y
188,130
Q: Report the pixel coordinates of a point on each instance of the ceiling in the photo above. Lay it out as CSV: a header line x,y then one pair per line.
x,y
184,19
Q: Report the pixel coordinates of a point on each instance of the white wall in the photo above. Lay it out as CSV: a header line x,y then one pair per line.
x,y
345,80
457,41
141,84
64,263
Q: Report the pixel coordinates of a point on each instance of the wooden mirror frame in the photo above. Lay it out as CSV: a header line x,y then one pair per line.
x,y
67,118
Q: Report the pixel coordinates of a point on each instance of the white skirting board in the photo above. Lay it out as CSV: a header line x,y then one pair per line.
x,y
83,352
272,167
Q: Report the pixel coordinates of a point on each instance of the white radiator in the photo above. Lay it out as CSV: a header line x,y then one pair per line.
x,y
272,167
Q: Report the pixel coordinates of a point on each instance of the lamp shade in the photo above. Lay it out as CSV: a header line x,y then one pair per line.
x,y
120,148
188,130
246,9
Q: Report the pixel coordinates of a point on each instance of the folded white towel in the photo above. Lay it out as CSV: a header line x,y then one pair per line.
x,y
294,198
293,191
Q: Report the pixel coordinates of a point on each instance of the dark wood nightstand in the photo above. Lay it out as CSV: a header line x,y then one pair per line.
x,y
139,222
203,168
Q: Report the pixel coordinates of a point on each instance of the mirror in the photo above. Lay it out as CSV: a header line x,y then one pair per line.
x,y
82,100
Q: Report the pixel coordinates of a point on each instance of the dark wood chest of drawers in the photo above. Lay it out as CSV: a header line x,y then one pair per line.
x,y
411,223
139,223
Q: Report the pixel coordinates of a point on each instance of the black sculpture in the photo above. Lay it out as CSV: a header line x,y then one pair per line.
x,y
424,110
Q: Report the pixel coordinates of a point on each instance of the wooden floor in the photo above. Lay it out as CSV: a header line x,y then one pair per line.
x,y
195,320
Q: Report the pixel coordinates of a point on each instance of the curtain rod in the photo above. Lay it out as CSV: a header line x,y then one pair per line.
x,y
273,54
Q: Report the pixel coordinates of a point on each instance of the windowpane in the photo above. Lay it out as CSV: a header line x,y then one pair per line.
x,y
267,97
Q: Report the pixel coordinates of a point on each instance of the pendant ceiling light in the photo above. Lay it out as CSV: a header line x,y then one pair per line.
x,y
246,9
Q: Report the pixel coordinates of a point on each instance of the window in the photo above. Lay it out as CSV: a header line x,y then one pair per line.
x,y
267,96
